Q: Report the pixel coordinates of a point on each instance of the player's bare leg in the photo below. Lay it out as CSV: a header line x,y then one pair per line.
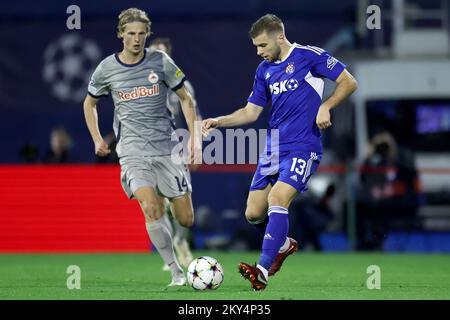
x,y
256,211
152,206
281,194
182,210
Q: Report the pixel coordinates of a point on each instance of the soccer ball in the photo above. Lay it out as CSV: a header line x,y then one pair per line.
x,y
205,273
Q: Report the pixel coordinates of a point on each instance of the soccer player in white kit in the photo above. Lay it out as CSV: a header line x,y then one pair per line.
x,y
139,80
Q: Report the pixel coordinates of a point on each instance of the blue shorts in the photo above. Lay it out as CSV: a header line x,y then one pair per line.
x,y
294,168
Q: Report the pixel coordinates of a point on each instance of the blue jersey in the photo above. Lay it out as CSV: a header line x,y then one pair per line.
x,y
294,86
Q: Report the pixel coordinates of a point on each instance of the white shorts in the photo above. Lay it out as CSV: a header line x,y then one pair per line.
x,y
169,179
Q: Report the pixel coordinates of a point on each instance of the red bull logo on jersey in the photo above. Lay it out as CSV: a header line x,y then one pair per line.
x,y
139,92
283,86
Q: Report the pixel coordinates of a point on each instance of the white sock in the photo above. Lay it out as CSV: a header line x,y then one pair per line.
x,y
181,232
162,240
166,221
264,271
285,246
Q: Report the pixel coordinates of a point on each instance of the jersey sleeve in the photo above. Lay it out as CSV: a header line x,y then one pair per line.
x,y
98,86
325,65
173,75
259,95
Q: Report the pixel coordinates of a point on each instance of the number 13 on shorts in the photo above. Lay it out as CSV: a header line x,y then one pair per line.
x,y
298,165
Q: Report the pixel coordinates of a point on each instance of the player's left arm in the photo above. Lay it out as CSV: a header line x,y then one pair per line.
x,y
190,89
190,114
346,84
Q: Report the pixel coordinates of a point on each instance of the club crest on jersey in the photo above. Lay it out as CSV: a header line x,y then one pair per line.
x,y
153,77
290,68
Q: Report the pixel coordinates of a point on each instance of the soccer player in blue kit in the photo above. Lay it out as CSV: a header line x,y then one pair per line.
x,y
290,78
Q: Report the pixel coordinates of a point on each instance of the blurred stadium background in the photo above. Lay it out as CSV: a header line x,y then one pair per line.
x,y
384,182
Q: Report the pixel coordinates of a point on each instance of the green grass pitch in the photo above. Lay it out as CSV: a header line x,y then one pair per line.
x,y
303,276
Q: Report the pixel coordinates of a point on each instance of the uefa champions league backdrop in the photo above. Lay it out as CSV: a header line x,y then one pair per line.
x,y
45,66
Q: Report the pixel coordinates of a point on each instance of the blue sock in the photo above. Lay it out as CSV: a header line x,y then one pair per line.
x,y
276,233
261,225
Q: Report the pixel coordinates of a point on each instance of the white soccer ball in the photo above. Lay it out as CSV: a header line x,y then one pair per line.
x,y
205,273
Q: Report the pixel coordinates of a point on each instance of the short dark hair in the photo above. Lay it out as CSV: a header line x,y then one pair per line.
x,y
164,41
268,23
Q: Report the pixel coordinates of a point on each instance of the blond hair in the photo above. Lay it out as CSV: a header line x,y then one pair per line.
x,y
132,15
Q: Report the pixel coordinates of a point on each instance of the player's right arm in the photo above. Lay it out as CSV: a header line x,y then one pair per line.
x,y
248,114
91,117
